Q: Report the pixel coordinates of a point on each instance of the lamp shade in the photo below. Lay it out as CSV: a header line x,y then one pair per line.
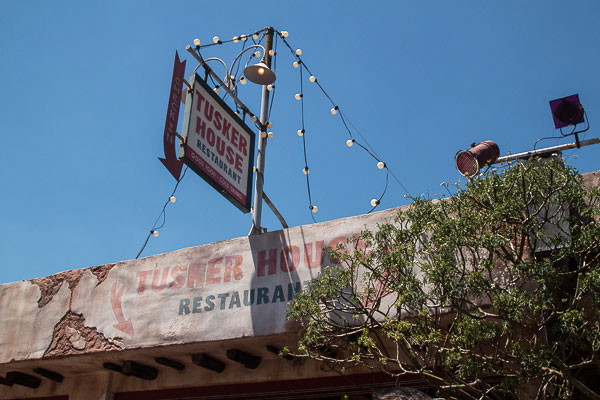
x,y
566,111
259,74
468,162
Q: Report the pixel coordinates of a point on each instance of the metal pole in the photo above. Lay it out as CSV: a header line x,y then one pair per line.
x,y
219,81
262,144
528,154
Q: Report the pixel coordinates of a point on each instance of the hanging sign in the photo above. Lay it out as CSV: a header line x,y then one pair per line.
x,y
219,146
170,161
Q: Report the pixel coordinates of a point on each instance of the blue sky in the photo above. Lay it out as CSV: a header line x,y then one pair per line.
x,y
84,88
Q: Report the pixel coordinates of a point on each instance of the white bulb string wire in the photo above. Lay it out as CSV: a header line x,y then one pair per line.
x,y
387,175
345,121
310,203
220,42
374,154
207,74
274,69
162,214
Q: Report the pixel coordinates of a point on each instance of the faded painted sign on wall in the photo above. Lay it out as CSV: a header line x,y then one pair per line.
x,y
231,289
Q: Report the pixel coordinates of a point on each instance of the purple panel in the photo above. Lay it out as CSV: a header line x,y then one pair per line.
x,y
571,103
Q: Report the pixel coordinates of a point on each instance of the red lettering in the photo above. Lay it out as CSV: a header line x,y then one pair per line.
x,y
200,100
232,268
212,271
208,111
234,136
196,275
226,126
200,127
142,275
210,137
239,163
220,146
217,121
264,261
288,265
243,145
318,254
333,244
156,286
178,277
229,156
359,244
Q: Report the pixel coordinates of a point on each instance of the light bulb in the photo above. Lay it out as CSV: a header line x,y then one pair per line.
x,y
305,170
312,78
300,132
269,124
243,80
284,34
255,36
172,199
349,142
216,39
236,39
154,233
296,64
271,134
298,96
216,90
314,208
298,52
237,112
334,110
196,42
381,165
261,71
263,135
374,202
257,54
271,52
270,87
253,118
243,37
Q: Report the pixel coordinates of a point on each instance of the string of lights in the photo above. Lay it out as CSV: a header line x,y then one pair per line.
x,y
302,133
271,88
355,136
217,41
230,80
154,230
299,63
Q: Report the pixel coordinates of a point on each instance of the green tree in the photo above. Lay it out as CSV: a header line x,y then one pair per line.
x,y
489,290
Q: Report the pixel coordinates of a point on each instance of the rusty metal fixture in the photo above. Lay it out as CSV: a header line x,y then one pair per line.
x,y
469,162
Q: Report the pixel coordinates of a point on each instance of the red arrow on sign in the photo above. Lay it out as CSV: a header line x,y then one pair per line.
x,y
123,325
170,161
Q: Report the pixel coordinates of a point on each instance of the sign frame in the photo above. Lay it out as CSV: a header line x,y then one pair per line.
x,y
184,151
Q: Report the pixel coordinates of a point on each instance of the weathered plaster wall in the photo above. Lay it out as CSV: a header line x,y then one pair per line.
x,y
231,289
74,321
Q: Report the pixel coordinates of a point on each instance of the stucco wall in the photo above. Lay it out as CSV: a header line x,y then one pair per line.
x,y
231,289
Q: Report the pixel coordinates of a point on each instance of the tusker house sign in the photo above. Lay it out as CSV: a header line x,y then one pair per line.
x,y
226,290
219,146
